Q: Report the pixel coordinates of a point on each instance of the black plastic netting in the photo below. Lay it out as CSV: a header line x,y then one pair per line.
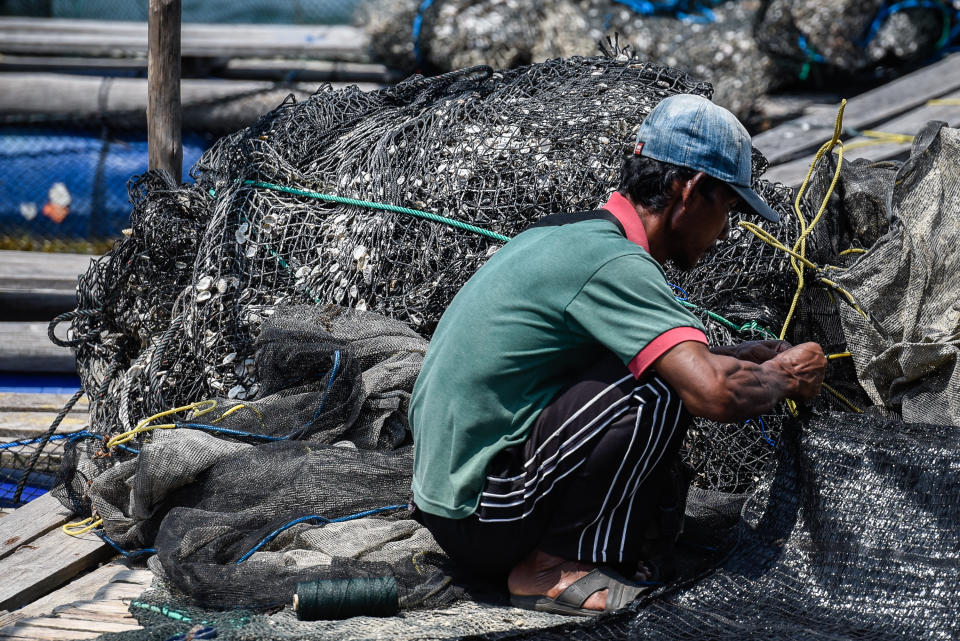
x,y
853,537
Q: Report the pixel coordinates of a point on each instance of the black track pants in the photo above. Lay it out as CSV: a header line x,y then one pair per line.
x,y
593,482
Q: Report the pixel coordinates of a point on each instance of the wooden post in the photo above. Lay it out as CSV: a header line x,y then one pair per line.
x,y
164,118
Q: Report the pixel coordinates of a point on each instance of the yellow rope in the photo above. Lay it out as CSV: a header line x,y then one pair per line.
x,y
200,408
241,406
853,250
944,101
82,527
798,253
842,398
830,357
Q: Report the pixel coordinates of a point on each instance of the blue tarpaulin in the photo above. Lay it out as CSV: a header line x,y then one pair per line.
x,y
40,170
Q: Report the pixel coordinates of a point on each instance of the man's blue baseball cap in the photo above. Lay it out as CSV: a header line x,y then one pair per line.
x,y
693,132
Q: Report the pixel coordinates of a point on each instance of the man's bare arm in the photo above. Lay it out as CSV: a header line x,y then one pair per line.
x,y
754,351
726,389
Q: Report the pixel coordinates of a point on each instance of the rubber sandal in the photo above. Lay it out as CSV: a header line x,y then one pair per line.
x,y
622,592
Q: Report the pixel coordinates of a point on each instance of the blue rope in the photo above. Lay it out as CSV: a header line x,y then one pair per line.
x,y
763,431
897,7
70,436
326,392
316,517
226,431
687,10
417,27
127,553
31,441
229,432
685,296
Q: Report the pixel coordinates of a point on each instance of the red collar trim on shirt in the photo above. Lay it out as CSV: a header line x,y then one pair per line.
x,y
620,207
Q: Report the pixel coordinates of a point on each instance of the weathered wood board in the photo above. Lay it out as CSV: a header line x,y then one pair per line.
x,y
30,522
38,285
910,123
116,38
36,556
43,402
22,270
90,605
32,570
16,425
25,347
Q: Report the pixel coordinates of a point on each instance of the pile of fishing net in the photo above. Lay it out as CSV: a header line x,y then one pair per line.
x,y
290,211
745,48
249,348
713,44
856,35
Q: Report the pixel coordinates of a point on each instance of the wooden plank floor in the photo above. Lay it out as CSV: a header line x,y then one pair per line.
x,y
90,605
52,585
910,123
27,415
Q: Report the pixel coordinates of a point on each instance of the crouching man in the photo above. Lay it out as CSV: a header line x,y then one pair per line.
x,y
559,384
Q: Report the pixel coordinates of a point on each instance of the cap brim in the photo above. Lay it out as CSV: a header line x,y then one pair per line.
x,y
755,204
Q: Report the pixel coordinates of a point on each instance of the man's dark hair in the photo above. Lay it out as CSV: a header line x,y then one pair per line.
x,y
650,182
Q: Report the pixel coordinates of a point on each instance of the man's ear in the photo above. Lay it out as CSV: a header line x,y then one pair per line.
x,y
692,186
683,196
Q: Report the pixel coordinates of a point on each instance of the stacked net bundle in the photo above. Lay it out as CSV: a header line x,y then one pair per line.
x,y
451,34
745,48
711,40
855,35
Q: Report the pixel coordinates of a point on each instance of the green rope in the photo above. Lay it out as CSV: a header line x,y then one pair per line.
x,y
381,206
165,611
751,326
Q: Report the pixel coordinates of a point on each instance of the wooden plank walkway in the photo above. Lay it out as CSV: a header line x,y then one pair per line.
x,y
88,606
52,585
106,39
35,287
36,556
902,106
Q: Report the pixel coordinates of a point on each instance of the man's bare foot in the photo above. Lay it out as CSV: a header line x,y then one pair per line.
x,y
543,574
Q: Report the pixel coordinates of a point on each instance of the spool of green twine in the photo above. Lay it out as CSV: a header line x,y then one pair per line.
x,y
328,599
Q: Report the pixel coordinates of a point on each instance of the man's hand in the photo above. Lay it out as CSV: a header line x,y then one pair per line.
x,y
753,351
805,364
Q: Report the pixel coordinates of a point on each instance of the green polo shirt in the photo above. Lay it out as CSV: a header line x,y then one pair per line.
x,y
528,323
